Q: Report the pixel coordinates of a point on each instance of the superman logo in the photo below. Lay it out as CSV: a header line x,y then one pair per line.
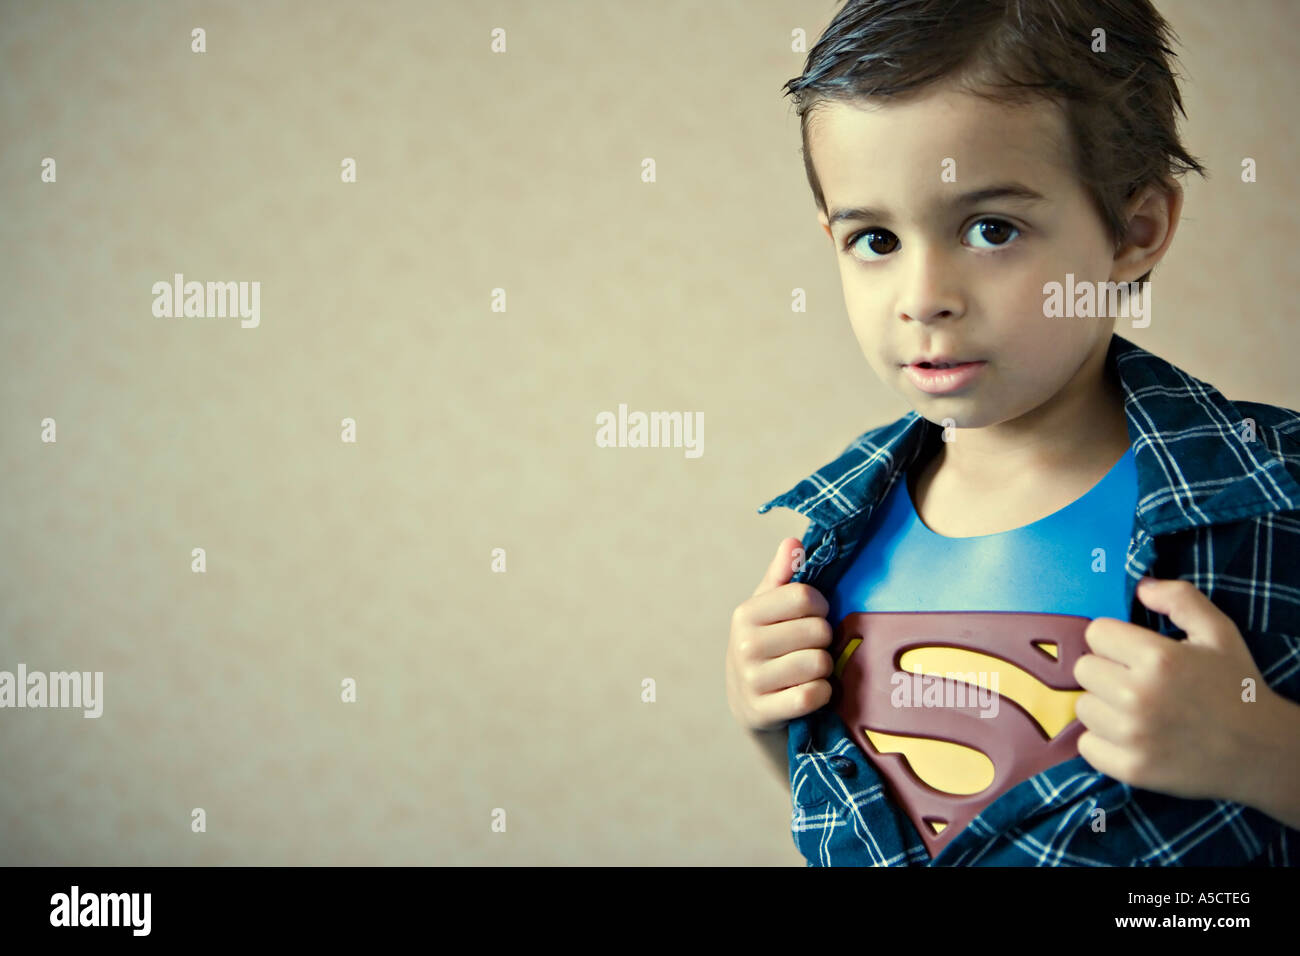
x,y
944,753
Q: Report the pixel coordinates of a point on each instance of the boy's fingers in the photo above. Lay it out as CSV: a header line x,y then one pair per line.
x,y
786,602
792,670
781,637
779,708
781,570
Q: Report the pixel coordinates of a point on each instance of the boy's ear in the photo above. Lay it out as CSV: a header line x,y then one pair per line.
x,y
1152,216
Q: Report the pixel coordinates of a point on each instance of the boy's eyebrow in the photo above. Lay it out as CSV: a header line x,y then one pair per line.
x,y
1012,191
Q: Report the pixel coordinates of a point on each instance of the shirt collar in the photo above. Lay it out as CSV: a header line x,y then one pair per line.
x,y
1194,463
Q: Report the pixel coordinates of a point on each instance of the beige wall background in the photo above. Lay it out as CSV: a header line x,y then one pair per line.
x,y
475,428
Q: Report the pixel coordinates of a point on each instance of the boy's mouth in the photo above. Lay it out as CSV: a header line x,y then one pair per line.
x,y
938,378
939,361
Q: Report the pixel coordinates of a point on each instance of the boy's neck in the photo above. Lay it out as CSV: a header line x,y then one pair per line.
x,y
1083,430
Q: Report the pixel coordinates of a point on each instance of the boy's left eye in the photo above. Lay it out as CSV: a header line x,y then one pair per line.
x,y
999,227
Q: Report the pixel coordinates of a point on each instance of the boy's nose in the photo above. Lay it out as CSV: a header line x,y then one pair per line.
x,y
929,289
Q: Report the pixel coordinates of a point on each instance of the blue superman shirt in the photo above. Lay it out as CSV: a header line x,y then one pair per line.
x,y
941,767
1070,562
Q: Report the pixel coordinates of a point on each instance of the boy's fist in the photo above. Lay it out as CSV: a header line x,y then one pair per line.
x,y
777,662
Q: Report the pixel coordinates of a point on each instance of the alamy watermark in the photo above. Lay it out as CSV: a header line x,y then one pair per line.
x,y
651,430
212,300
75,908
1097,300
82,689
953,689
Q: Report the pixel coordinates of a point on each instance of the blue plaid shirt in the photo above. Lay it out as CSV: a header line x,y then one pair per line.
x,y
1218,505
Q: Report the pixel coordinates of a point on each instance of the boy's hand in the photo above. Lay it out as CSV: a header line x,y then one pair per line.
x,y
777,664
1168,715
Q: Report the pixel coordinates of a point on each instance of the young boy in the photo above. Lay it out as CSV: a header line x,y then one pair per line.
x,y
967,159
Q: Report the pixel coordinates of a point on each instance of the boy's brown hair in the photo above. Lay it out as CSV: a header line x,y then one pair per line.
x,y
1118,104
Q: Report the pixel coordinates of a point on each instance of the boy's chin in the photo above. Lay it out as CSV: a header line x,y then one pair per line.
x,y
951,413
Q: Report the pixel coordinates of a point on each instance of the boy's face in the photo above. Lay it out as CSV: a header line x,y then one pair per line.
x,y
926,277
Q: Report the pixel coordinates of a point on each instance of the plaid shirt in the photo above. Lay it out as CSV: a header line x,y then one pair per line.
x,y
1218,505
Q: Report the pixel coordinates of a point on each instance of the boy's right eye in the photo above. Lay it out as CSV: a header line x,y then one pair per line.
x,y
876,238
